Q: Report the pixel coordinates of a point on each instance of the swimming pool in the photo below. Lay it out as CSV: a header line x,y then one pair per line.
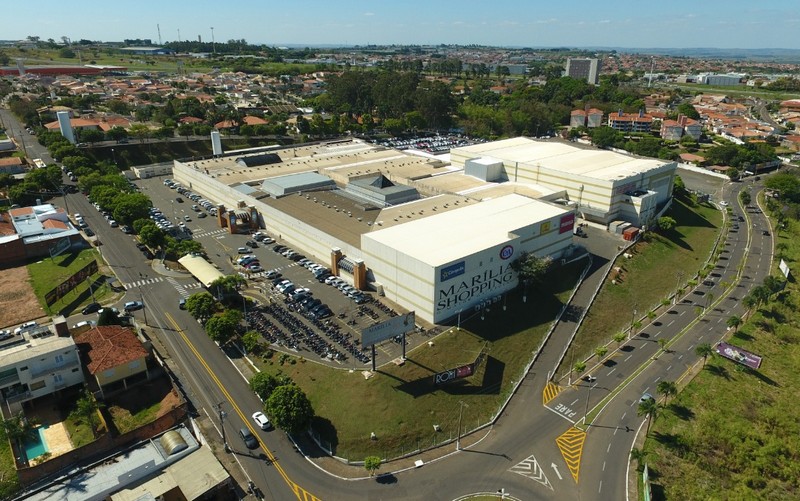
x,y
36,446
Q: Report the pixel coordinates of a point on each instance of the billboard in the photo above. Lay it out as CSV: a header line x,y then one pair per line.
x,y
784,268
60,247
739,355
67,285
453,374
567,222
395,326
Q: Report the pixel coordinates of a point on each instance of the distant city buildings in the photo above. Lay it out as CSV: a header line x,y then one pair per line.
x,y
584,69
590,118
630,122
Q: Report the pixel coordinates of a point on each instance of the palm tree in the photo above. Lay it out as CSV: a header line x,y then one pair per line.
x,y
734,322
86,409
704,350
17,428
638,455
648,408
668,389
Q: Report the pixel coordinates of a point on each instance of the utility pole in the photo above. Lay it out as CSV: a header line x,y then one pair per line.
x,y
222,415
460,415
633,319
213,42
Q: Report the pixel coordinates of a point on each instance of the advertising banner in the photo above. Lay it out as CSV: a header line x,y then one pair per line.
x,y
67,285
739,355
567,223
453,374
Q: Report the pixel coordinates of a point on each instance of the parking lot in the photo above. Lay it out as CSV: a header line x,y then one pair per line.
x,y
287,318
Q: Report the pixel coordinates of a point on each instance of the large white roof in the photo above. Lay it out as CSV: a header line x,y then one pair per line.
x,y
590,162
446,237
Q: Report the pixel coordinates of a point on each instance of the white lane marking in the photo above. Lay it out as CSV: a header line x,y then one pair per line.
x,y
629,357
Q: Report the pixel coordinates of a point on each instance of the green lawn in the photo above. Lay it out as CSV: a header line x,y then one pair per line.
x,y
48,273
9,483
734,432
648,277
401,405
80,433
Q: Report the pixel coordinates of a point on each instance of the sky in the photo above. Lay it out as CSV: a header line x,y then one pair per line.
x,y
519,23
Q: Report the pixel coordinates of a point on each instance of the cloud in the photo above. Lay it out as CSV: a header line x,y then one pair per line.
x,y
605,21
369,13
552,20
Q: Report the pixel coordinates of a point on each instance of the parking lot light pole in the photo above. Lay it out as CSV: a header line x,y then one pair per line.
x,y
221,414
460,415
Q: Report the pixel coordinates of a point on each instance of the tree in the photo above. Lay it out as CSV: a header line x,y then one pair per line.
x,y
689,111
86,410
108,317
251,340
638,455
371,464
603,137
116,133
744,197
600,351
662,343
648,408
130,207
153,236
221,328
619,337
290,409
668,389
17,428
579,367
201,306
734,322
704,350
531,268
666,223
264,384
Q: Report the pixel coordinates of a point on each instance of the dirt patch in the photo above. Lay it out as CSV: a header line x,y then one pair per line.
x,y
18,303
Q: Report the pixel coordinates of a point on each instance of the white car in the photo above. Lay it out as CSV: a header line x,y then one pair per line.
x,y
5,334
90,323
25,327
724,203
261,420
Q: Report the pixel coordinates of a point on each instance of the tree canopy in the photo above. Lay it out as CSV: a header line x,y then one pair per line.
x,y
290,409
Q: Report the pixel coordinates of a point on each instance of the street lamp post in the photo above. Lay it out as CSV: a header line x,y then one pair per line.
x,y
213,42
586,408
633,319
460,415
222,414
114,156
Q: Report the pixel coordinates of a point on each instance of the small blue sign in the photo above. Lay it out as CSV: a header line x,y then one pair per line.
x,y
453,270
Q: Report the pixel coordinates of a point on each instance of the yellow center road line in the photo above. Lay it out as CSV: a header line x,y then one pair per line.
x,y
550,391
570,443
299,492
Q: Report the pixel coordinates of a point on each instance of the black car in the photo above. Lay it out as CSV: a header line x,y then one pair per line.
x,y
148,254
141,246
91,308
311,304
278,248
179,200
297,257
251,243
88,232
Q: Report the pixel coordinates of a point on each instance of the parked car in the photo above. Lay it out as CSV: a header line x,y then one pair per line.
x,y
91,308
261,420
179,200
126,229
243,250
201,215
84,323
88,232
113,223
5,334
133,306
182,304
272,274
251,243
255,268
26,327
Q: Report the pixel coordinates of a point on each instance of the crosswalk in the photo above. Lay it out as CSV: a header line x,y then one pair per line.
x,y
145,281
204,233
185,290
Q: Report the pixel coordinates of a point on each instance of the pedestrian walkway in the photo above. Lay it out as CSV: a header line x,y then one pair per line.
x,y
204,233
145,281
183,289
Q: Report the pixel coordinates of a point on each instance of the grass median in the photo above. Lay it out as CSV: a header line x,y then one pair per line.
x,y
733,429
401,405
648,277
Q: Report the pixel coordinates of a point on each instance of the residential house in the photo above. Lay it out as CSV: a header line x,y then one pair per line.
x,y
114,357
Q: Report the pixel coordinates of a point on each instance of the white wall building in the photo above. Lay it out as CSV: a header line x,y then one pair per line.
x,y
453,261
606,186
36,363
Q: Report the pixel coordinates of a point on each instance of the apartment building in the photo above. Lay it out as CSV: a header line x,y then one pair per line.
x,y
630,122
36,363
584,69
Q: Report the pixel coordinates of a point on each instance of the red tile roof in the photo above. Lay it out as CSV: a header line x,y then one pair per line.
x,y
109,346
54,223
